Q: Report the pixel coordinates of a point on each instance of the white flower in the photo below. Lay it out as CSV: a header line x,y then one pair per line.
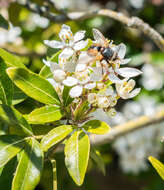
x,y
125,89
70,44
68,40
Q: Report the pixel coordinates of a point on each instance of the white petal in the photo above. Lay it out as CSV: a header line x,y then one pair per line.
x,y
129,72
66,53
54,66
84,58
134,93
113,78
54,44
79,36
76,91
80,67
70,81
46,62
65,34
97,74
125,61
80,45
90,85
66,27
121,50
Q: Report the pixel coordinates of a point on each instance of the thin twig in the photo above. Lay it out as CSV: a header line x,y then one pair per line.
x,y
120,130
133,22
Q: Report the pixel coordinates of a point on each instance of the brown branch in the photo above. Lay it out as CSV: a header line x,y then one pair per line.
x,y
133,22
117,131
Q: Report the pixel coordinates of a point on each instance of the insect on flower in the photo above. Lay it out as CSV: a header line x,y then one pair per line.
x,y
102,49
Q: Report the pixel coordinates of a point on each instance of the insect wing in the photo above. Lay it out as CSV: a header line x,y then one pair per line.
x,y
98,36
121,50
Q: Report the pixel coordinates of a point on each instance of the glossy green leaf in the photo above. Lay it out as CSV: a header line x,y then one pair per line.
x,y
96,127
29,168
10,59
96,157
66,97
55,135
157,165
6,86
10,145
12,117
77,149
3,22
45,114
33,85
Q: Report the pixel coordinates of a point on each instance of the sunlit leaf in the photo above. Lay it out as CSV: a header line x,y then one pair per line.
x,y
45,114
45,72
10,59
12,117
33,85
18,96
10,145
29,168
157,165
55,135
6,86
76,150
96,127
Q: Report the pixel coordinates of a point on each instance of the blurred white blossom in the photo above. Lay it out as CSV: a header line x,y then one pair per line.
x,y
10,36
152,78
135,147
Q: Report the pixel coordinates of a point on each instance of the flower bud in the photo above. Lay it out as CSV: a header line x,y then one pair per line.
x,y
111,113
59,75
92,98
103,102
113,101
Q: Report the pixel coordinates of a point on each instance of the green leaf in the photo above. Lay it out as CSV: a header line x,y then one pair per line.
x,y
45,72
55,135
8,174
96,127
12,117
18,96
66,97
3,22
96,157
157,165
77,149
44,115
29,168
33,85
10,145
10,59
55,57
6,86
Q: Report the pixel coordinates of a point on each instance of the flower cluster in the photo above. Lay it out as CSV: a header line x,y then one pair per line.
x,y
91,69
